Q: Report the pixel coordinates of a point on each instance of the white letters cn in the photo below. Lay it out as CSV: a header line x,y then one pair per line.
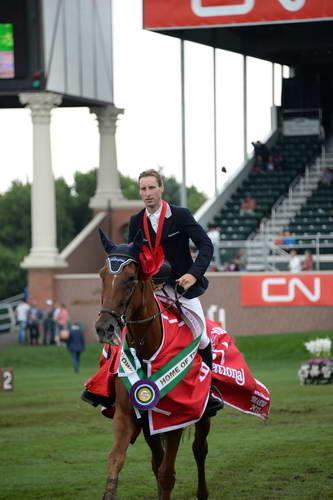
x,y
292,5
240,7
269,296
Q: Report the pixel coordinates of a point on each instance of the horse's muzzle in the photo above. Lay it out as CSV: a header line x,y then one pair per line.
x,y
108,331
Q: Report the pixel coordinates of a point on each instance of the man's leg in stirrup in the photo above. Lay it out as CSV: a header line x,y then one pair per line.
x,y
214,404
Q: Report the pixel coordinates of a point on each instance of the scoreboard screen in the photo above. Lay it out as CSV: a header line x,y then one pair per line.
x,y
7,63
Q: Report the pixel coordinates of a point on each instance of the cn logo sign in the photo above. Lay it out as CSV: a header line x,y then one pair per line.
x,y
201,9
308,289
268,295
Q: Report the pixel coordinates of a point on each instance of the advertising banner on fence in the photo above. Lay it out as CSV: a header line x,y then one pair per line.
x,y
161,14
287,290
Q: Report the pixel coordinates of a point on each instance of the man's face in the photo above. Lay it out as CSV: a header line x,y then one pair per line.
x,y
151,193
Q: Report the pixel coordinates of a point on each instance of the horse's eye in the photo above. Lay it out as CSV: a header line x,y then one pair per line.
x,y
131,280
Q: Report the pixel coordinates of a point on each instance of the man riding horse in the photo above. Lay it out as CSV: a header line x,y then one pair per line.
x,y
175,227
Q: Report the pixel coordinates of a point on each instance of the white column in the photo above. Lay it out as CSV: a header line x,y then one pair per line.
x,y
44,252
108,185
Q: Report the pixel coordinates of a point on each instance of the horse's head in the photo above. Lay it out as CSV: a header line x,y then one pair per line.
x,y
120,279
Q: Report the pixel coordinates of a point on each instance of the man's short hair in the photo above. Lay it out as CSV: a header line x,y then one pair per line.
x,y
152,173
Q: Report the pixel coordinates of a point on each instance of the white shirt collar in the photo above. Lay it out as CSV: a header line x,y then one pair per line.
x,y
156,215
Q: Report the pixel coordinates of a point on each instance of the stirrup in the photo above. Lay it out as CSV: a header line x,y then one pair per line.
x,y
95,399
214,403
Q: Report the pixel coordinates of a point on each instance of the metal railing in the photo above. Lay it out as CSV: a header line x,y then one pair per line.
x,y
7,313
265,255
7,318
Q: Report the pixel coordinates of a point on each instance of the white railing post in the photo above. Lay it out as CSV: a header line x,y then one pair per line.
x,y
317,254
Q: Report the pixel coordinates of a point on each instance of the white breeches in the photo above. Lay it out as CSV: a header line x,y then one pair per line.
x,y
193,315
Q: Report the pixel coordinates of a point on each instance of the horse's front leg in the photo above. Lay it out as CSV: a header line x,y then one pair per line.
x,y
200,450
167,473
124,426
157,451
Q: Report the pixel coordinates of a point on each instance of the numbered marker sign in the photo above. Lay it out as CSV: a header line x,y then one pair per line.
x,y
6,379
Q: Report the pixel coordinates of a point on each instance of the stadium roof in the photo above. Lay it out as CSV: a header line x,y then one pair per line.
x,y
290,32
290,44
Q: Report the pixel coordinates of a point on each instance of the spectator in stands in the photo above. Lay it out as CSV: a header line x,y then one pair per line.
x,y
308,261
261,150
288,239
327,177
270,164
279,239
259,166
225,267
248,206
214,234
278,161
235,265
22,315
294,262
242,260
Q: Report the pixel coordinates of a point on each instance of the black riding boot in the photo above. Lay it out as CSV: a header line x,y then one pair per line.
x,y
214,404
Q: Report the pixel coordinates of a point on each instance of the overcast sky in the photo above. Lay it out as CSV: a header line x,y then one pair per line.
x,y
147,86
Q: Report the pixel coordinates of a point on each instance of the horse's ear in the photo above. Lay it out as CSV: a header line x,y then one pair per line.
x,y
137,243
107,244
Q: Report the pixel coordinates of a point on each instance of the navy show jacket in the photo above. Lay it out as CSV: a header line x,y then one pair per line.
x,y
178,230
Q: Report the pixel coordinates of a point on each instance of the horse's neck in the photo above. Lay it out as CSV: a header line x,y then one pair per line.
x,y
147,335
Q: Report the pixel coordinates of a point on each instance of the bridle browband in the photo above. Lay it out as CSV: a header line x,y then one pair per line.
x,y
122,318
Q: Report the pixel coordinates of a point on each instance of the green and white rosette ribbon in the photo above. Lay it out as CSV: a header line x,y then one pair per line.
x,y
145,392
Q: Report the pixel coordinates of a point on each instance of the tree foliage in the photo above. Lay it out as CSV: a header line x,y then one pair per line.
x,y
73,214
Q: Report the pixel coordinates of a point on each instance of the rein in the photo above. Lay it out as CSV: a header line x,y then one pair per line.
x,y
122,319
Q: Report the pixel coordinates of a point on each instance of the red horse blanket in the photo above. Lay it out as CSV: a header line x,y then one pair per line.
x,y
186,402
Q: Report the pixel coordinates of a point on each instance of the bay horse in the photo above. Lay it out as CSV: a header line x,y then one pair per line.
x,y
129,301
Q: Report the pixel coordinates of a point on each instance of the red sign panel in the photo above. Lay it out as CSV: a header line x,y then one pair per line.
x,y
287,290
199,13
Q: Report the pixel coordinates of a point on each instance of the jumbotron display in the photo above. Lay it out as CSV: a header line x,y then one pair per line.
x,y
7,63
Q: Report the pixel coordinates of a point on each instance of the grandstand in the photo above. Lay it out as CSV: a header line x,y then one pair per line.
x,y
298,35
306,208
292,199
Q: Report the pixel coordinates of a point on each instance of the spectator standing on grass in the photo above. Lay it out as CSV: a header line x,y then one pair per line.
x,y
308,261
294,262
75,345
22,316
61,318
35,318
48,324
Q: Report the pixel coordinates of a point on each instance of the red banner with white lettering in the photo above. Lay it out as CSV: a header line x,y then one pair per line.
x,y
287,290
160,14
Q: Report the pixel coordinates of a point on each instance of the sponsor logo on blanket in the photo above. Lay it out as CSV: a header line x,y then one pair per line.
x,y
227,371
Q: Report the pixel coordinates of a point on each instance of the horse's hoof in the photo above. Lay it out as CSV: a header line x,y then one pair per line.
x,y
109,496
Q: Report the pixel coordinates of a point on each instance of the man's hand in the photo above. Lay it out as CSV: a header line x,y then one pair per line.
x,y
186,281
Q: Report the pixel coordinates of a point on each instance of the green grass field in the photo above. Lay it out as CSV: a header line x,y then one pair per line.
x,y
53,445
